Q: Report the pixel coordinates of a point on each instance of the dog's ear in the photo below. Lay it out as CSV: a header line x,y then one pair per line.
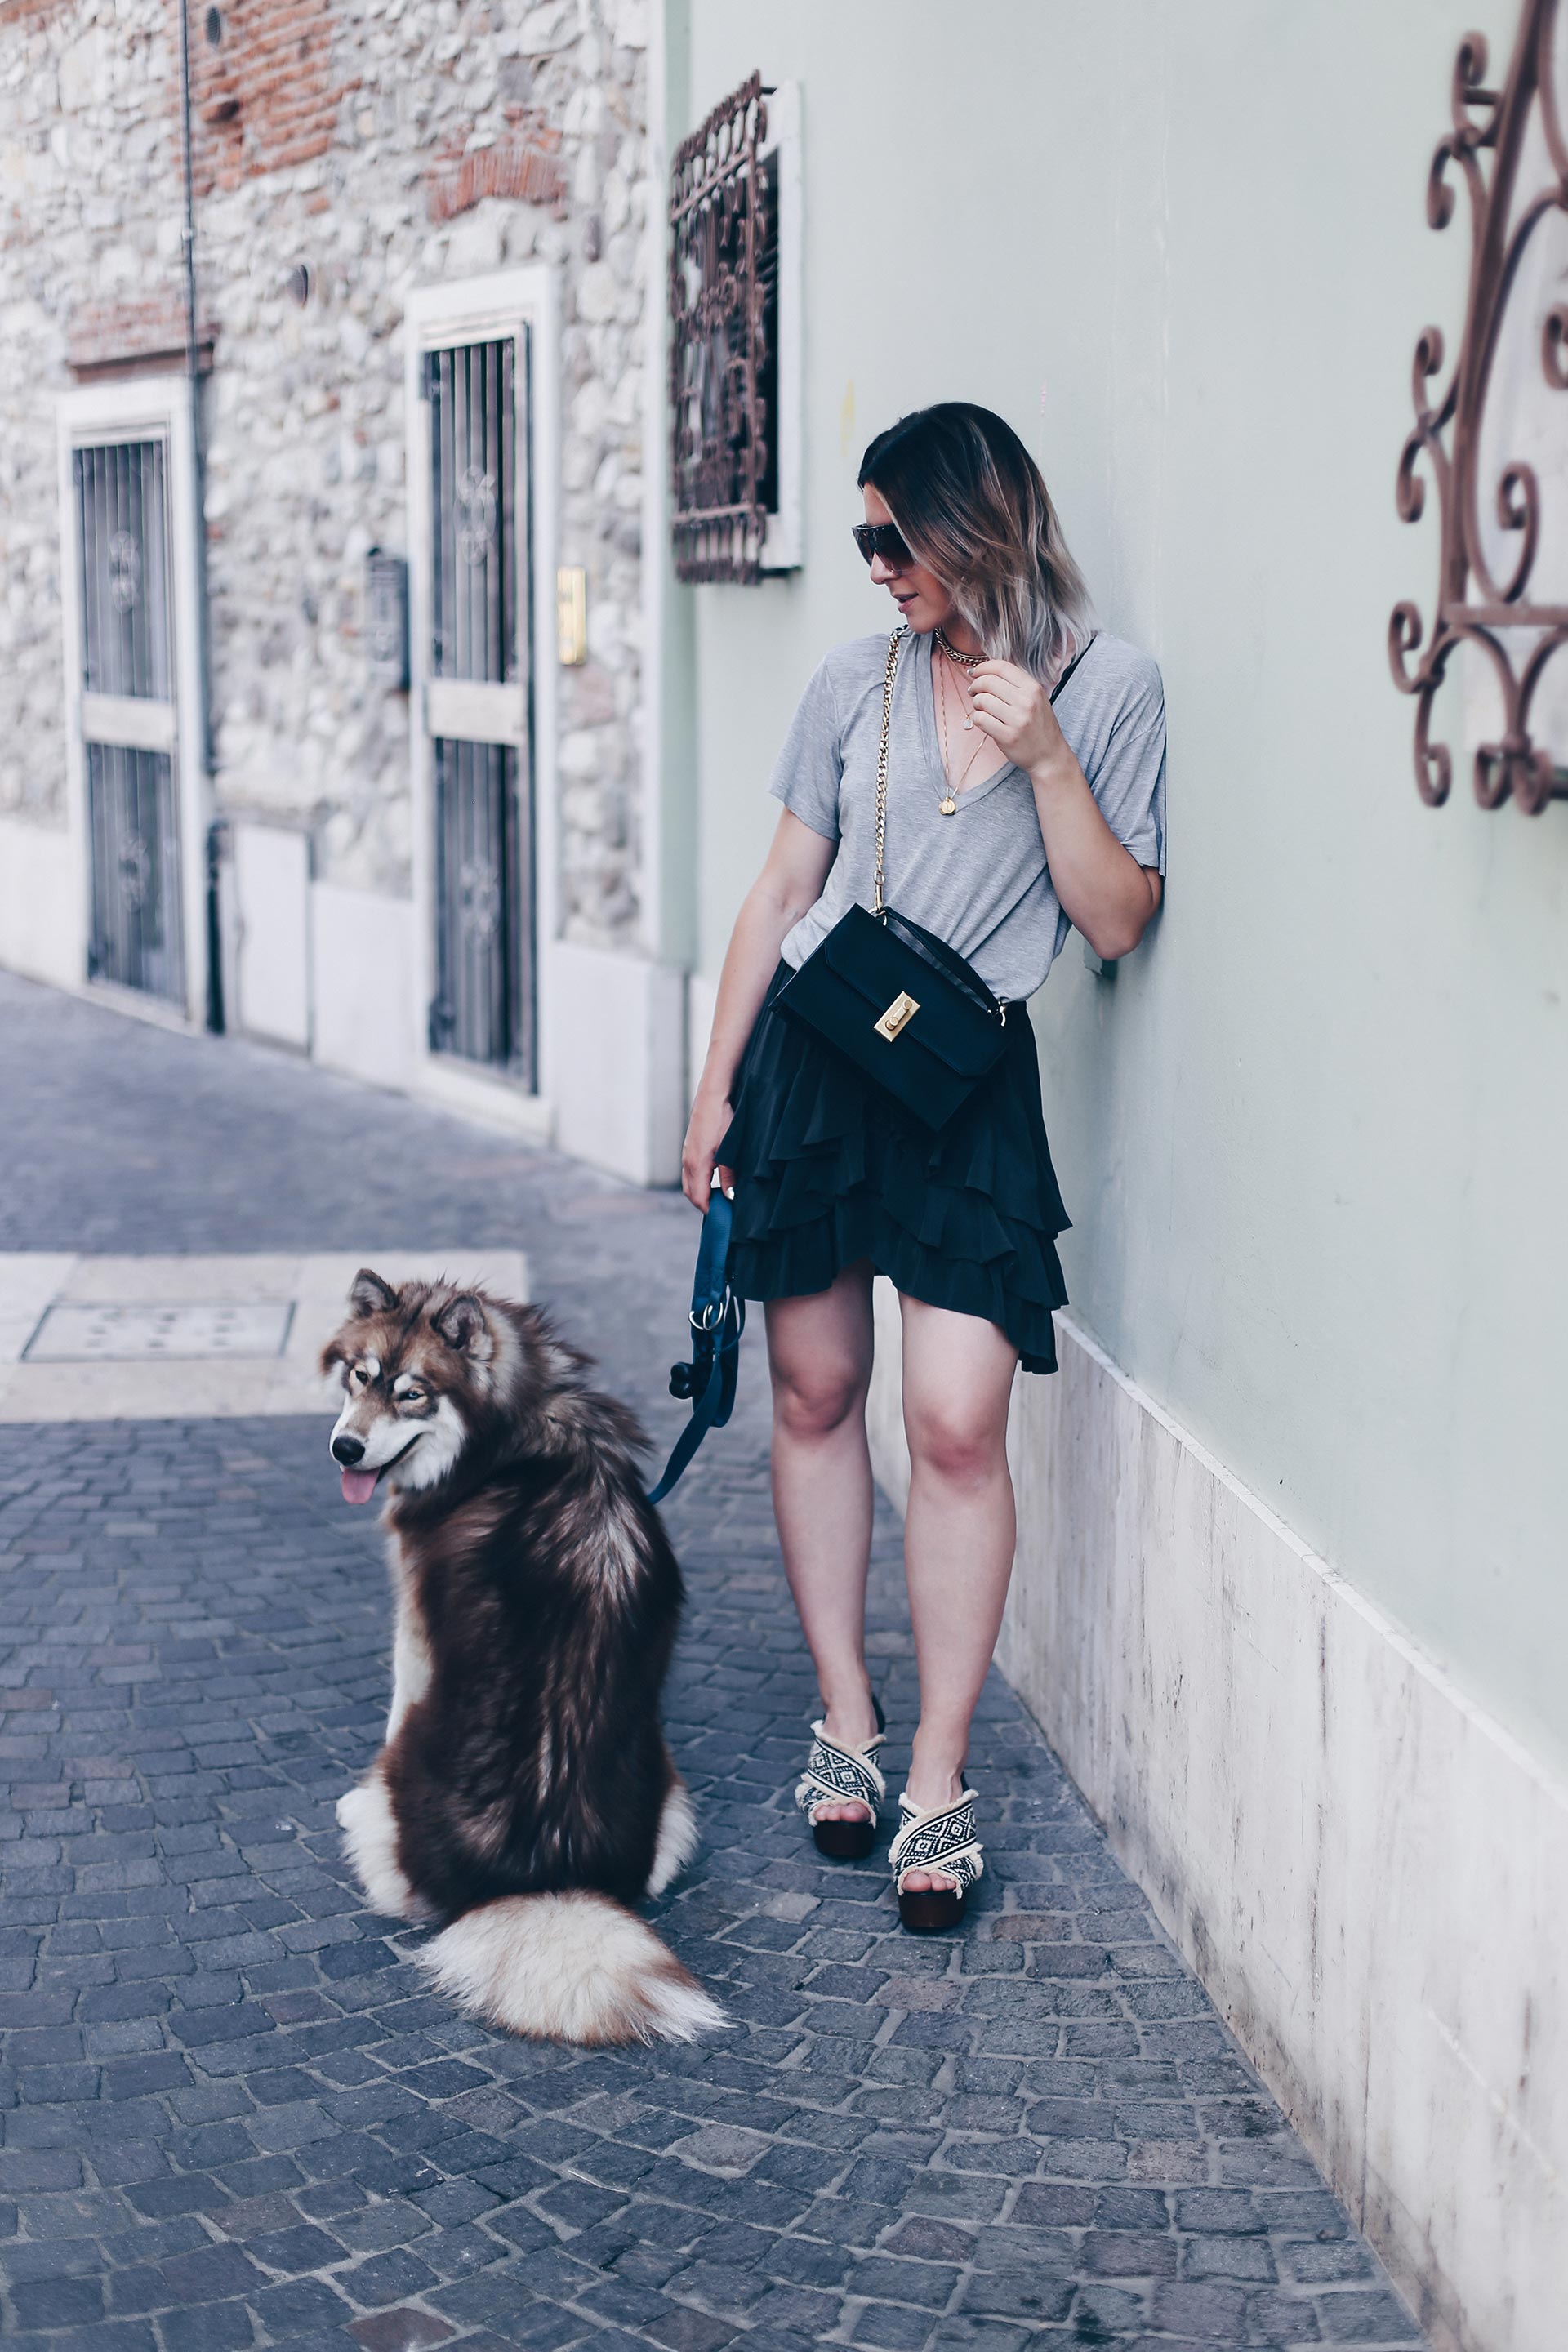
x,y
465,1327
368,1295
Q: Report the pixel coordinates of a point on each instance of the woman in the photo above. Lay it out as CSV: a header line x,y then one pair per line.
x,y
1010,818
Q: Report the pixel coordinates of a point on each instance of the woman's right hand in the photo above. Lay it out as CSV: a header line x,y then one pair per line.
x,y
710,1115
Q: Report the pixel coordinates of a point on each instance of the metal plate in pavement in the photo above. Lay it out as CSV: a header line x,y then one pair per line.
x,y
149,1334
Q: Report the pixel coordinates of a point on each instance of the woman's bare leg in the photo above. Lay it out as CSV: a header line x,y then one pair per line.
x,y
819,1353
959,1532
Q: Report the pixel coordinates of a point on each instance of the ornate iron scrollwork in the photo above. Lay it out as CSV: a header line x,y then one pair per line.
x,y
124,569
719,228
1476,598
134,866
478,900
474,498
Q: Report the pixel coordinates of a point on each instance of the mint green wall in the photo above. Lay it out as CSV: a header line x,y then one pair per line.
x,y
1315,1135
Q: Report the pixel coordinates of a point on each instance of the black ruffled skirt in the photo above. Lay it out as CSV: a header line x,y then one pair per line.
x,y
829,1170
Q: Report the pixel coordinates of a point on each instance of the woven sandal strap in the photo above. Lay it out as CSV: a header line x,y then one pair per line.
x,y
963,1865
944,1841
837,1775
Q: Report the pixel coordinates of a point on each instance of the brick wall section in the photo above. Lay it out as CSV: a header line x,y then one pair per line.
x,y
263,96
398,148
524,166
148,328
140,325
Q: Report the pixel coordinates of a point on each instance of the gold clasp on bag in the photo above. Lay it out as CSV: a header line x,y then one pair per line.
x,y
898,1016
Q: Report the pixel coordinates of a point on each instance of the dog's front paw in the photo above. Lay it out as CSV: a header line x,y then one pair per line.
x,y
677,1837
370,1841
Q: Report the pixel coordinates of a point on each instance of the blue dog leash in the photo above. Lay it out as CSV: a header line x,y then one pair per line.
x,y
718,1320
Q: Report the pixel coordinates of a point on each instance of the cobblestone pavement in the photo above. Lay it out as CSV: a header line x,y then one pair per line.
x,y
232,2113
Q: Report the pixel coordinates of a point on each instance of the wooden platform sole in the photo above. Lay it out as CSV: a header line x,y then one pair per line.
x,y
844,1840
928,1910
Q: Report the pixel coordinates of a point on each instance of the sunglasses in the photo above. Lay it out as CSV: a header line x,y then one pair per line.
x,y
883,539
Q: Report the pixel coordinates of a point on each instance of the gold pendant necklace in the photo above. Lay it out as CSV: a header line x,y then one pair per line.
x,y
948,804
959,664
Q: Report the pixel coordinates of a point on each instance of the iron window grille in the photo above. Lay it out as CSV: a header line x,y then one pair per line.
x,y
122,513
484,1010
473,455
132,825
724,357
1483,598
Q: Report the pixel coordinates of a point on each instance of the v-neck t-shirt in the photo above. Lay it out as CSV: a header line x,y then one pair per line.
x,y
978,879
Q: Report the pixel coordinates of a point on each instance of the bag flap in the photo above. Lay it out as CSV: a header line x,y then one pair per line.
x,y
964,1042
879,968
860,954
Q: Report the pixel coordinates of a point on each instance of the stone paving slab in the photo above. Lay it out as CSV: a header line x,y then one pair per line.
x,y
232,2113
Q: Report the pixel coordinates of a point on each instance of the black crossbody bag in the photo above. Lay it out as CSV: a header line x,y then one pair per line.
x,y
900,1003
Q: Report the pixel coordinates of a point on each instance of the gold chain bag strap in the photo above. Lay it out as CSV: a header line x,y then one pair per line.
x,y
889,676
892,997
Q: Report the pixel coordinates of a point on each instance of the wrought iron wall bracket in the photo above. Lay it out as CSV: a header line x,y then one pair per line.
x,y
1475,602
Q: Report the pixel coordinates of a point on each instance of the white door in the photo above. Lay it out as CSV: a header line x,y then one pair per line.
x,y
135,733
128,718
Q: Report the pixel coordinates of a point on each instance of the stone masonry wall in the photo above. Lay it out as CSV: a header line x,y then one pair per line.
x,y
348,150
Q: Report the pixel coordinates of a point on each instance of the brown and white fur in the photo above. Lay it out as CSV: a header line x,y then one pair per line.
x,y
524,1797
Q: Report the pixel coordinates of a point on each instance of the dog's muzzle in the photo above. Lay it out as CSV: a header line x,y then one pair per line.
x,y
348,1453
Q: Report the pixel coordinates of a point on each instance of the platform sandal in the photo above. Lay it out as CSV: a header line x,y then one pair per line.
x,y
836,1775
942,1841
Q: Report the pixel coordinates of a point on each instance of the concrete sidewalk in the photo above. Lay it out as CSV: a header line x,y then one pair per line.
x,y
233,2114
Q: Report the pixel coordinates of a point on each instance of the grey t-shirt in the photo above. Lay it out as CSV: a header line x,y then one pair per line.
x,y
977,878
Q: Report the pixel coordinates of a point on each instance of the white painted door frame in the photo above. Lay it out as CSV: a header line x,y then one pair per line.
x,y
142,408
478,309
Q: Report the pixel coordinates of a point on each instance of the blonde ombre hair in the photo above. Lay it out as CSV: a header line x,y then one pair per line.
x,y
972,506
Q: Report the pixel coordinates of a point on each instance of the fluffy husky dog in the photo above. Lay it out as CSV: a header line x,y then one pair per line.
x,y
525,1795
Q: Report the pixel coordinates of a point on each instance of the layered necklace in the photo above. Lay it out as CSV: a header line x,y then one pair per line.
x,y
957,666
958,661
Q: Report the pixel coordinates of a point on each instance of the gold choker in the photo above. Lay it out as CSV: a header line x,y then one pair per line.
x,y
963,661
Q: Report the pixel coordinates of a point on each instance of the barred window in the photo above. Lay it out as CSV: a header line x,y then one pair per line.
x,y
735,214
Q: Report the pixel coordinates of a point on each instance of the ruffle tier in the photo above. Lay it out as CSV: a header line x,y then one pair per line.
x,y
829,1170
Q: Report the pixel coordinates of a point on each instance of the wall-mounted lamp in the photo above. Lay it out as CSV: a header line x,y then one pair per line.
x,y
386,619
571,615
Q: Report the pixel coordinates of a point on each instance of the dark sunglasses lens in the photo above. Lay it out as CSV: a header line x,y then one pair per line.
x,y
881,539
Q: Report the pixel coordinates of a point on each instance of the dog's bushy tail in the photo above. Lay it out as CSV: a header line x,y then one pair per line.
x,y
574,1967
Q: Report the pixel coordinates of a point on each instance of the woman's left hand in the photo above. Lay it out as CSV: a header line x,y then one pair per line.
x,y
1014,710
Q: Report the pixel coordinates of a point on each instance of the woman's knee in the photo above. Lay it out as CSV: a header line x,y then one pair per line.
x,y
814,1397
955,1446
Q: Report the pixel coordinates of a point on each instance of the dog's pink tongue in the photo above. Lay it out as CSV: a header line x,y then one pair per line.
x,y
359,1485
